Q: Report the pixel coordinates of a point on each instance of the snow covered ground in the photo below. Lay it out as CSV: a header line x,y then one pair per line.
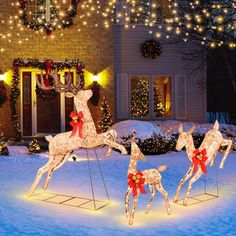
x,y
22,216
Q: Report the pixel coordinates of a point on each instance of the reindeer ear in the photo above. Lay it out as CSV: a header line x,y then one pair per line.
x,y
69,94
181,129
191,130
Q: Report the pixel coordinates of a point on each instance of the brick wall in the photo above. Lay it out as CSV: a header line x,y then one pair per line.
x,y
93,46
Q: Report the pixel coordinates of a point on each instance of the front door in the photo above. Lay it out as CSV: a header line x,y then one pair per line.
x,y
43,115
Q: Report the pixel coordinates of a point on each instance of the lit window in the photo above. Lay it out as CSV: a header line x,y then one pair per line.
x,y
151,97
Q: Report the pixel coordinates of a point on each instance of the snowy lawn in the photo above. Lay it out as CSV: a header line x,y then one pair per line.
x,y
22,216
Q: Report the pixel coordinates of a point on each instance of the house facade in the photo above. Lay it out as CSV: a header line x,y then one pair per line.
x,y
135,87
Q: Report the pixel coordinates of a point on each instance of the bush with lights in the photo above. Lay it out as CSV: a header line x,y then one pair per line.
x,y
3,147
34,147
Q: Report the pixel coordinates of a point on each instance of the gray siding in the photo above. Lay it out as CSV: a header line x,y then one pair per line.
x,y
128,60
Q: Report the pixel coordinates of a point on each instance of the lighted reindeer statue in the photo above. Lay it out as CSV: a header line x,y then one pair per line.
x,y
136,180
201,157
62,145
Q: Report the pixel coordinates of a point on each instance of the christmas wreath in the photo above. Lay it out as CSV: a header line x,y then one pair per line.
x,y
151,49
46,95
37,23
3,94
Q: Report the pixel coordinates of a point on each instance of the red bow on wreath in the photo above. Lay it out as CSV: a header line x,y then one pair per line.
x,y
76,123
48,64
199,159
136,182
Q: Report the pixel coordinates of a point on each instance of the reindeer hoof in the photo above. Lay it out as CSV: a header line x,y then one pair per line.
x,y
175,199
185,202
221,166
130,222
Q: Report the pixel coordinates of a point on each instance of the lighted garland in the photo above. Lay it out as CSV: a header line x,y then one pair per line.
x,y
48,27
151,49
15,92
35,63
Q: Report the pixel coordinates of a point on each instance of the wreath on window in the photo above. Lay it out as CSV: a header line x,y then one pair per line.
x,y
46,95
37,23
3,94
151,49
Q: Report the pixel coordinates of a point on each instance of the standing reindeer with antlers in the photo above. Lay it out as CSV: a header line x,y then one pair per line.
x,y
63,144
136,180
200,157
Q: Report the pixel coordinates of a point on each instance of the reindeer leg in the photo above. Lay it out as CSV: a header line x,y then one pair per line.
x,y
152,191
163,192
39,175
56,166
212,160
229,144
113,138
181,183
127,196
191,182
135,201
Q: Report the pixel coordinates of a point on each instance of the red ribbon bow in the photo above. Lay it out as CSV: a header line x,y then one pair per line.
x,y
76,123
199,159
135,181
48,64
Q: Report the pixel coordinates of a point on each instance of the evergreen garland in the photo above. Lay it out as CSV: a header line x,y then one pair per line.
x,y
105,121
151,49
15,92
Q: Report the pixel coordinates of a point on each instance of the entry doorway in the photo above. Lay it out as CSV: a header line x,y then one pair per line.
x,y
42,116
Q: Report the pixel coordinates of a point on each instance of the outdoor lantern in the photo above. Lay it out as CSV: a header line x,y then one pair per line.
x,y
95,87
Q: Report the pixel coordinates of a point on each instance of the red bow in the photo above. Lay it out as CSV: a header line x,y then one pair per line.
x,y
136,182
199,158
76,123
48,64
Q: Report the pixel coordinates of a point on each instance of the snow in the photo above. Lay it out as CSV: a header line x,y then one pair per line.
x,y
20,215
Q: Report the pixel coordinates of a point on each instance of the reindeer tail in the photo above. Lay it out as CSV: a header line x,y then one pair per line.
x,y
49,138
162,168
216,125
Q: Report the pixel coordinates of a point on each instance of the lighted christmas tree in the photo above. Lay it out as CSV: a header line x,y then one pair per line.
x,y
3,147
140,100
34,147
105,121
159,110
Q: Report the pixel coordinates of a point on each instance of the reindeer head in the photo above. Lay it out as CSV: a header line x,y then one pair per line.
x,y
136,152
183,137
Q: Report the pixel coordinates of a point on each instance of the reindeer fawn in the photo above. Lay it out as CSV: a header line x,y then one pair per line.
x,y
212,142
152,178
62,145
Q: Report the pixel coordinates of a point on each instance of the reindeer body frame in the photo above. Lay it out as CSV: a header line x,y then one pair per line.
x,y
212,142
152,179
62,145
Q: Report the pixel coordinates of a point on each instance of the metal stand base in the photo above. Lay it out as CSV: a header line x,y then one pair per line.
x,y
207,194
74,201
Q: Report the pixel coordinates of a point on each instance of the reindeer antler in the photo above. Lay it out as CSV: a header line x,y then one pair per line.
x,y
58,85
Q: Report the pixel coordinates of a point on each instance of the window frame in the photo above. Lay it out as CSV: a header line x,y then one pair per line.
x,y
150,78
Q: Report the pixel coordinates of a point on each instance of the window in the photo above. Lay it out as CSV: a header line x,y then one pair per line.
x,y
150,96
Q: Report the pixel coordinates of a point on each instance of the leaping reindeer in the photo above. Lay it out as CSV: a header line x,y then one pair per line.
x,y
212,142
62,145
151,177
